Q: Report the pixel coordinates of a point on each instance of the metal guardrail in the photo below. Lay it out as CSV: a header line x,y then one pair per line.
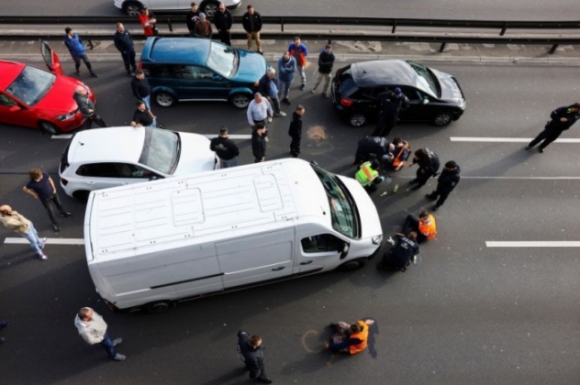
x,y
170,19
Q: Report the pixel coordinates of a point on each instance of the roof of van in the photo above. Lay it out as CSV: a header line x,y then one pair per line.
x,y
209,206
176,50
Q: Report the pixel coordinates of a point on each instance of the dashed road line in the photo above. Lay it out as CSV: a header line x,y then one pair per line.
x,y
505,140
49,241
524,244
209,136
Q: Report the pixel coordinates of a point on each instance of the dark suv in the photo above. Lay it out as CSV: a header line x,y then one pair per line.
x,y
434,96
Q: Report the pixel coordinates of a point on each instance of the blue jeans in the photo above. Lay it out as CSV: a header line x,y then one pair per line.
x,y
154,124
32,237
147,101
229,163
284,88
107,343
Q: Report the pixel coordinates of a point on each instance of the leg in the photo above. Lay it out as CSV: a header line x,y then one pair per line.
x,y
442,199
276,106
48,207
282,90
411,224
87,62
77,64
388,126
228,38
302,75
249,36
327,78
549,139
58,205
541,136
108,344
317,81
126,62
147,101
97,119
421,179
258,41
32,237
132,60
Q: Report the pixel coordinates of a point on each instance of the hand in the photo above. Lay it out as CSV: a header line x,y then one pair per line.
x,y
91,111
563,120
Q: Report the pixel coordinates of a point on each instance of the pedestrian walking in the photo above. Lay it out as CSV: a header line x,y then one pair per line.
x,y
259,143
148,21
192,18
299,51
87,107
225,148
350,338
268,87
143,117
93,329
77,51
295,130
223,21
325,63
446,182
16,222
390,104
203,27
561,119
251,352
424,226
141,89
124,44
286,70
428,163
41,187
3,324
259,111
252,22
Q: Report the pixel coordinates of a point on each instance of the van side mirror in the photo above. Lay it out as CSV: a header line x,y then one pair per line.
x,y
152,177
345,249
425,101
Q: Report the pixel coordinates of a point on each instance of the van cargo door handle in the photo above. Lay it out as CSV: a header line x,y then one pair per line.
x,y
278,268
306,263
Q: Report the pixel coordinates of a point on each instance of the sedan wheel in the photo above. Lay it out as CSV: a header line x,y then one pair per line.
x,y
240,100
133,8
443,119
210,9
49,128
357,120
164,99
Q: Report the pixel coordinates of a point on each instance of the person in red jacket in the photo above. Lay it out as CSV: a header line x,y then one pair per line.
x,y
147,20
299,51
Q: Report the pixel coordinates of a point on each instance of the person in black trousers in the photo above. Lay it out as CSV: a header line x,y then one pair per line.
x,y
124,44
87,107
446,182
259,143
295,130
390,104
223,21
251,353
562,119
141,89
225,149
428,163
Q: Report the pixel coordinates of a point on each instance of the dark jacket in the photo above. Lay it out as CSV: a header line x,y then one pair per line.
x,y
265,87
448,180
258,145
403,252
84,103
253,358
390,104
140,88
225,148
325,62
376,145
223,21
191,18
252,23
123,41
562,112
430,164
295,129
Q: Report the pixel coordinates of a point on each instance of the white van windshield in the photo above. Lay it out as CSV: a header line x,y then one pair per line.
x,y
342,206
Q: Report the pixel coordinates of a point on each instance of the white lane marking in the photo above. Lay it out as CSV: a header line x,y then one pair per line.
x,y
209,136
518,177
533,244
505,140
49,241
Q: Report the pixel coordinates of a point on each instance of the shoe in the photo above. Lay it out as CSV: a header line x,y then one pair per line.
x,y
266,139
66,214
43,243
430,196
414,259
42,256
302,87
313,91
527,148
415,188
325,95
391,241
260,52
94,75
541,150
117,341
435,208
4,323
265,380
56,228
129,73
119,357
281,113
2,339
413,181
287,101
269,119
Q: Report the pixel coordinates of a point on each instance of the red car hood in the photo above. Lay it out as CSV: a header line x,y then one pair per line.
x,y
60,96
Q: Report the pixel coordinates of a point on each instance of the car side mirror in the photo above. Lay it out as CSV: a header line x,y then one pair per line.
x,y
152,177
14,108
216,78
425,101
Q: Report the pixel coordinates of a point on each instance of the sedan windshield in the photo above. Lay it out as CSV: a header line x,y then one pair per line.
x,y
31,85
342,207
427,81
161,150
222,59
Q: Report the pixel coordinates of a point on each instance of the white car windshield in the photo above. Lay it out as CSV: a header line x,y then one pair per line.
x,y
31,85
222,59
161,150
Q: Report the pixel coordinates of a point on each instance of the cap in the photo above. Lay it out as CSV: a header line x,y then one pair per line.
x,y
67,30
202,15
397,91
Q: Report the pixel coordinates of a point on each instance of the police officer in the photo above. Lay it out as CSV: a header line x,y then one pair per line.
x,y
446,182
390,103
428,163
562,119
251,352
372,145
404,249
368,175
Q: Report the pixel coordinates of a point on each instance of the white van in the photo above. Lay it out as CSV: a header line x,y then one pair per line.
x,y
150,245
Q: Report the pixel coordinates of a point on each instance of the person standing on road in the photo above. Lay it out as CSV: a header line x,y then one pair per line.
x,y
77,51
93,329
424,226
390,104
223,21
259,143
562,119
225,148
41,186
251,352
259,110
295,130
267,86
124,44
299,51
350,339
252,22
325,63
148,20
447,181
23,227
141,89
428,163
87,107
192,18
286,70
143,117
203,27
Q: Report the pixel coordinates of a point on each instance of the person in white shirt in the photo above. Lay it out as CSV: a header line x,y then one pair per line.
x,y
93,329
259,110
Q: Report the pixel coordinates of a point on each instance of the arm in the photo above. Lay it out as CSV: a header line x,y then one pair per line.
x,y
270,111
52,185
344,344
30,192
117,45
249,114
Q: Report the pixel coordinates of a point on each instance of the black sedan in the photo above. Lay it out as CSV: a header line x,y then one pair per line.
x,y
434,96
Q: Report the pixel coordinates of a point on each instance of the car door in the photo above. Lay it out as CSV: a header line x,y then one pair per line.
x,y
168,4
419,108
97,176
319,250
12,112
210,85
50,58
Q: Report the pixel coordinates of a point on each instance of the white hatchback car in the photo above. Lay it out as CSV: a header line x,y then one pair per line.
x,y
209,7
108,157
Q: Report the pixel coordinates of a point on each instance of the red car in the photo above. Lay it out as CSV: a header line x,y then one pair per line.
x,y
34,98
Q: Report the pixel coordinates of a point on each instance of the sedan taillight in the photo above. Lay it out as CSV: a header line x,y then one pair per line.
x,y
346,102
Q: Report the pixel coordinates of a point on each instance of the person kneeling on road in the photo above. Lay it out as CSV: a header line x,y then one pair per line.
x,y
350,339
142,117
424,226
368,175
397,158
404,251
372,147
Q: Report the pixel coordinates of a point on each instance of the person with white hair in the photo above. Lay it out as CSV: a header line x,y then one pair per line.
x,y
87,107
268,86
20,225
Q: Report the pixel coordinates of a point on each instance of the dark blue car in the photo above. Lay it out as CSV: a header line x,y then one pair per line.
x,y
195,69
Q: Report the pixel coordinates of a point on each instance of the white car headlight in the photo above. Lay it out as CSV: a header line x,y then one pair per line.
x,y
68,116
377,240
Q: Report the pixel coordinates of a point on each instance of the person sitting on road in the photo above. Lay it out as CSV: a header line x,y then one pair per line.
x,y
368,175
424,226
397,158
350,339
405,249
372,147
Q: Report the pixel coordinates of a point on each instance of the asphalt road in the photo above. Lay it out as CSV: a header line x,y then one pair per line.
x,y
441,9
468,314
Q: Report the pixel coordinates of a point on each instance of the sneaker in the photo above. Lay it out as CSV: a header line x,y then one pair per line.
x,y
42,256
391,241
435,208
43,243
527,148
269,119
541,150
302,87
260,52
266,139
117,341
281,113
413,181
56,228
430,197
286,100
119,357
94,75
326,95
66,214
4,323
414,259
265,380
313,91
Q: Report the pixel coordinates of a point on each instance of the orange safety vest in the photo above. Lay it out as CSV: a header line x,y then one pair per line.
x,y
398,161
429,229
363,336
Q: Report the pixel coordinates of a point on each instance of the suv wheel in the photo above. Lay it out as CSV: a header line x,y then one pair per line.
x,y
357,119
132,8
442,119
164,99
209,8
240,100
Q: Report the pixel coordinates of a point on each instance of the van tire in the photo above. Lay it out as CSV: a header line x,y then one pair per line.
x,y
159,307
353,265
164,99
81,195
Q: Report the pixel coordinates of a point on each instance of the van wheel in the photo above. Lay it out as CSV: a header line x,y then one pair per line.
x,y
164,99
49,128
132,8
357,119
353,265
209,8
240,101
159,307
442,119
81,195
